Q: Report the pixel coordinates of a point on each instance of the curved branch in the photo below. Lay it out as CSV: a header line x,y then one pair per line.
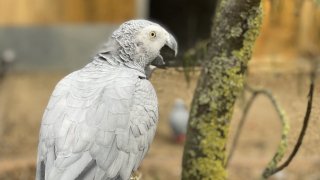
x,y
234,144
270,172
284,122
284,136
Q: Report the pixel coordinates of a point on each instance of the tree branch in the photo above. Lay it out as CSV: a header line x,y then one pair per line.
x,y
269,172
234,30
235,141
284,122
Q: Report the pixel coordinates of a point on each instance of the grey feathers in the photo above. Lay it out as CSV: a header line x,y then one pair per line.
x,y
101,120
125,36
107,119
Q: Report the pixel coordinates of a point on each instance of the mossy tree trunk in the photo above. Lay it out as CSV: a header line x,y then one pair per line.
x,y
234,31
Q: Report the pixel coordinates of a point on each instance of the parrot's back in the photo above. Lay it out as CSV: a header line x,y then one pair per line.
x,y
98,124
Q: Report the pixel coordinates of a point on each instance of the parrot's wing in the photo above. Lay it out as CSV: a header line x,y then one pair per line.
x,y
120,149
97,126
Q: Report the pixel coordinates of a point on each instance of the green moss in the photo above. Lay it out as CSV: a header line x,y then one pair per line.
x,y
254,22
282,147
236,31
220,83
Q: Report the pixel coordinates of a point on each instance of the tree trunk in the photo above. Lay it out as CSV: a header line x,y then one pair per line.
x,y
234,31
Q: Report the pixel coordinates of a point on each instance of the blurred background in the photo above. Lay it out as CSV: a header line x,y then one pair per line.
x,y
41,41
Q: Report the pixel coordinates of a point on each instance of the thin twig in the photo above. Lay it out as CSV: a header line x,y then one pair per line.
x,y
284,122
235,141
272,166
282,147
302,132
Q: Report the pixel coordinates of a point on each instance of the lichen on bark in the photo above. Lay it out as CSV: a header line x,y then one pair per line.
x,y
234,30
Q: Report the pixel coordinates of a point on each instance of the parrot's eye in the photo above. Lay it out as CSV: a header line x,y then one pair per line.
x,y
153,34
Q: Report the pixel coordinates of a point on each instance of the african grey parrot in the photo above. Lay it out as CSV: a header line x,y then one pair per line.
x,y
101,119
179,120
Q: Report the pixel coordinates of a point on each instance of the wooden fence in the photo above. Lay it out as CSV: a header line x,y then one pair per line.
x,y
43,12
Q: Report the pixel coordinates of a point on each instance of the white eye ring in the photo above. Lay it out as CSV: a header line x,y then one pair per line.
x,y
153,34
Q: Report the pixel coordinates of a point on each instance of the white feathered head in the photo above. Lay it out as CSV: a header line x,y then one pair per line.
x,y
137,44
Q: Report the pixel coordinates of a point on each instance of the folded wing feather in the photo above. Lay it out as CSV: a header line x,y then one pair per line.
x,y
109,117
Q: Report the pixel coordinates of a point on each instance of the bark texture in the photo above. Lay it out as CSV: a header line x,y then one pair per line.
x,y
233,33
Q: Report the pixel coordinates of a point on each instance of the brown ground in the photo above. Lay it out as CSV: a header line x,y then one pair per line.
x,y
24,96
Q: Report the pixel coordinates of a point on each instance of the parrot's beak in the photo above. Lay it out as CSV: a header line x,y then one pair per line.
x,y
159,62
169,50
172,44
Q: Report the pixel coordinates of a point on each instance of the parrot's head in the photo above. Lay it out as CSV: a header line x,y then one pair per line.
x,y
141,44
151,40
